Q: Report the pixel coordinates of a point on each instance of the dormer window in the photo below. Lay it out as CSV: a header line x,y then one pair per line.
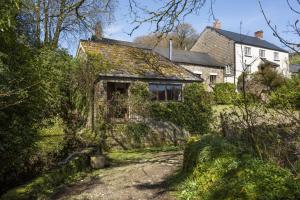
x,y
262,53
276,56
247,51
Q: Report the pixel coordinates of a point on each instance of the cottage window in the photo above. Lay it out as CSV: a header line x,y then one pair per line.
x,y
262,53
212,79
247,51
227,69
198,73
276,56
248,69
165,92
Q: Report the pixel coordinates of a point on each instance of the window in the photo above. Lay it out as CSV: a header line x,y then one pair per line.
x,y
165,92
227,69
248,69
262,53
276,56
247,51
198,73
212,79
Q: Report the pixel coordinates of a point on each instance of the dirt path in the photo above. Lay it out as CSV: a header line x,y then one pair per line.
x,y
142,179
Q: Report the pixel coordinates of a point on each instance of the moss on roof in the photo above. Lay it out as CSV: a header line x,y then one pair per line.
x,y
128,61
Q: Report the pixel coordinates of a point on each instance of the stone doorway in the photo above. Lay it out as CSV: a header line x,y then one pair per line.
x,y
117,94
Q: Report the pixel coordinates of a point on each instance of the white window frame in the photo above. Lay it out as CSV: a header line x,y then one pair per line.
x,y
264,53
227,69
215,81
247,51
248,68
276,56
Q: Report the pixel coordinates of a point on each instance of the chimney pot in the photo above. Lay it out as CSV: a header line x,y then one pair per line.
x,y
217,24
259,34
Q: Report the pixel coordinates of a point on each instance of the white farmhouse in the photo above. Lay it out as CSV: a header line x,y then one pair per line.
x,y
239,52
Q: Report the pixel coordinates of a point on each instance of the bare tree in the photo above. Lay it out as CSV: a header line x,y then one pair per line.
x,y
53,18
295,29
184,36
168,15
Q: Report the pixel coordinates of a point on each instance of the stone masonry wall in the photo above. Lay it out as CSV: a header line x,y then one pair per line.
x,y
216,45
206,72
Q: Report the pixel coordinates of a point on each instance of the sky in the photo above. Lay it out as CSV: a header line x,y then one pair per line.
x,y
231,13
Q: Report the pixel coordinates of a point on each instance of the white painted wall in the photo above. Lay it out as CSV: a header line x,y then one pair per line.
x,y
255,61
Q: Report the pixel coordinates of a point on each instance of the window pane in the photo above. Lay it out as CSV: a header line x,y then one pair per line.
x,y
247,51
161,92
153,89
228,69
177,92
262,53
276,56
170,92
212,79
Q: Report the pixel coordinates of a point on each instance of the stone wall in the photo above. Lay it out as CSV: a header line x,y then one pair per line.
x,y
131,135
205,72
216,45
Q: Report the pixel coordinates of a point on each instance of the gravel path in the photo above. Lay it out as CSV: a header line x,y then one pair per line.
x,y
143,179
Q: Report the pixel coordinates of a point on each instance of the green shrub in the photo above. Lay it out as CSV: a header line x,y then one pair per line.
x,y
288,95
216,169
224,93
194,113
44,185
197,108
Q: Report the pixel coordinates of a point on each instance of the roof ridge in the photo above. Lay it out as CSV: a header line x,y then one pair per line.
x,y
267,45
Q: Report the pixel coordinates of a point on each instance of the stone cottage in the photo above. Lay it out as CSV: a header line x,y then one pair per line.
x,y
128,63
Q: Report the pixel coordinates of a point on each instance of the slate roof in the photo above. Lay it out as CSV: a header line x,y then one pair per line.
x,y
178,56
129,60
248,40
189,57
295,68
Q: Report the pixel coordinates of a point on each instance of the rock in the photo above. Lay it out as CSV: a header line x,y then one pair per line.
x,y
98,162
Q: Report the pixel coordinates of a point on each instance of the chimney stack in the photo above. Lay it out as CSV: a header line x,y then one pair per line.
x,y
259,34
217,24
98,31
170,49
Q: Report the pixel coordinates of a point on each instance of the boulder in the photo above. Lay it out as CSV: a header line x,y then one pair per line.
x,y
98,162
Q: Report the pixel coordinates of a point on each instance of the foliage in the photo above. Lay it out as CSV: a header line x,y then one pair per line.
x,y
287,95
139,96
262,82
216,169
224,93
295,59
8,10
44,185
31,83
196,106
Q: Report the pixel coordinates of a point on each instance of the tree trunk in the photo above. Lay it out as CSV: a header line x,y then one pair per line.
x,y
46,20
38,21
58,27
